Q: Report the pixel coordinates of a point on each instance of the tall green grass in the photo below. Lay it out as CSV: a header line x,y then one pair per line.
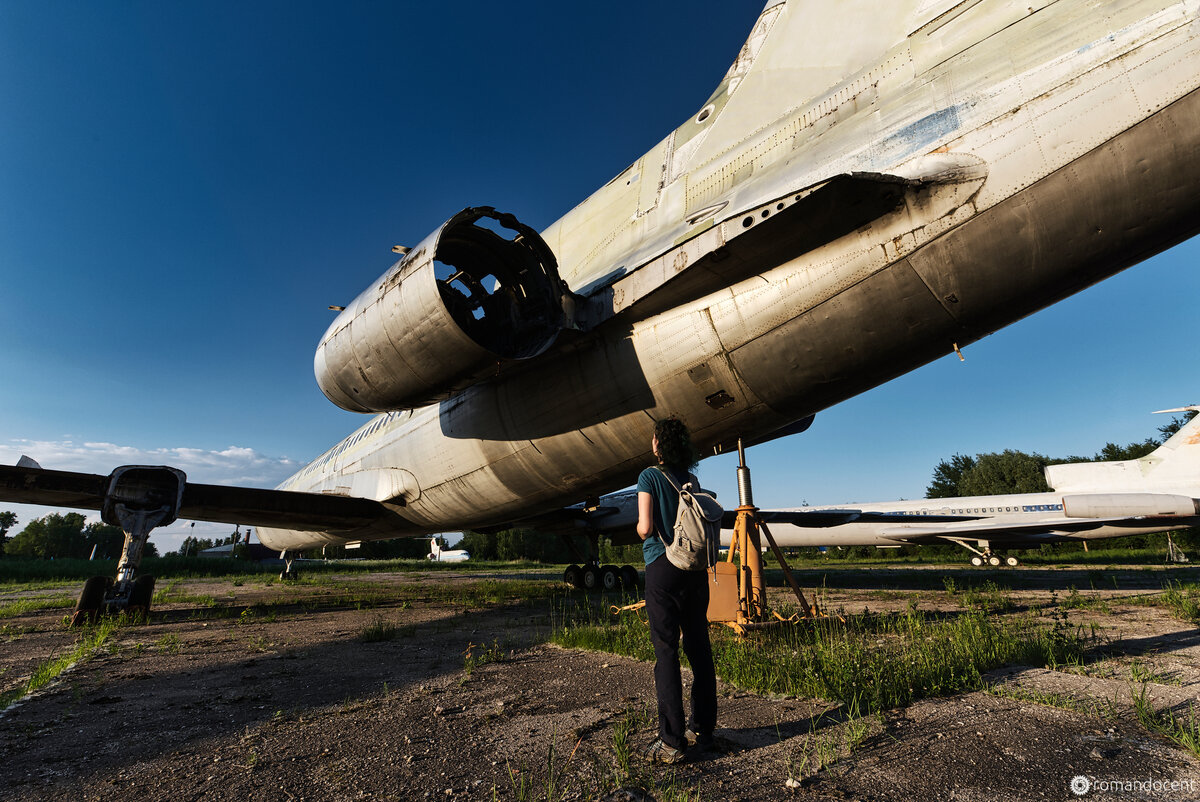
x,y
868,662
23,606
1183,730
1181,598
90,641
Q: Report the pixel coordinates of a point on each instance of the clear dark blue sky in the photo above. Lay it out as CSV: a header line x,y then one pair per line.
x,y
185,188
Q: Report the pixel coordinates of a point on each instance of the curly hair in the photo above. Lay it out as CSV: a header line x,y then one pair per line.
x,y
675,448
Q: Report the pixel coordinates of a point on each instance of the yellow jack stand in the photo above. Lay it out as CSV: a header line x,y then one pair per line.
x,y
748,609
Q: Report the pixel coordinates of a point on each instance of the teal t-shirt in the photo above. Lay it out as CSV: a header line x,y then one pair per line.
x,y
665,507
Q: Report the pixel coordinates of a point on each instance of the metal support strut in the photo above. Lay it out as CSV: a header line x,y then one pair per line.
x,y
752,595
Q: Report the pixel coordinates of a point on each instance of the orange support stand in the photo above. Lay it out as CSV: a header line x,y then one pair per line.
x,y
751,611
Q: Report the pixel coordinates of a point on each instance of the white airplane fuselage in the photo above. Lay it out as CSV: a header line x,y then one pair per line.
x,y
992,513
871,186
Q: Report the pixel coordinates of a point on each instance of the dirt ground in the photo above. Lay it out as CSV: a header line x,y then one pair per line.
x,y
272,692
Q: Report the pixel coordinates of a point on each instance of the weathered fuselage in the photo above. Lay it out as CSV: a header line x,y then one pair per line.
x,y
870,185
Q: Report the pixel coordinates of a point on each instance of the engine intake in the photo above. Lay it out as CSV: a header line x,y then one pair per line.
x,y
480,291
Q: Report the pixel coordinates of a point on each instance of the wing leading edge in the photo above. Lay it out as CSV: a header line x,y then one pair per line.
x,y
200,502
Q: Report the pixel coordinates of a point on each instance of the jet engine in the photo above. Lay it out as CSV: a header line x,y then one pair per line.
x,y
481,291
1130,505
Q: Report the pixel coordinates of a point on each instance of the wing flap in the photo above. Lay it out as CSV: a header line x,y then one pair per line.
x,y
280,509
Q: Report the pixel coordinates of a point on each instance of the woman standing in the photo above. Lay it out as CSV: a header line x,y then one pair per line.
x,y
676,600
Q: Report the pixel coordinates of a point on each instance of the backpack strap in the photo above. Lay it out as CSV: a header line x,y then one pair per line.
x,y
691,479
673,483
679,490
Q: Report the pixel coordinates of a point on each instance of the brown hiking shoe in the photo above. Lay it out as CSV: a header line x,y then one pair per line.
x,y
659,752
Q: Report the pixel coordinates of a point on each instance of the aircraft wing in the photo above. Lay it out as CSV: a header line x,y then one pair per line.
x,y
201,502
819,519
1000,531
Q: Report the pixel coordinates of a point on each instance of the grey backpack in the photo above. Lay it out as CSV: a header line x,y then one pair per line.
x,y
697,533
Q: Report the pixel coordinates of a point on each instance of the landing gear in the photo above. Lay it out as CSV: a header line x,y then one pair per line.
x,y
288,573
138,499
140,595
610,577
592,576
984,554
87,609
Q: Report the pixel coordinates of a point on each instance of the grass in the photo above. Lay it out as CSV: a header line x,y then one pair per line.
x,y
1077,601
526,787
170,644
565,775
1181,599
633,720
824,745
89,642
870,662
472,659
19,569
987,598
1183,730
1094,707
23,606
1141,673
379,631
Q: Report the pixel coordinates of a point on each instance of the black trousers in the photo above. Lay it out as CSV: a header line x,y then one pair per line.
x,y
677,601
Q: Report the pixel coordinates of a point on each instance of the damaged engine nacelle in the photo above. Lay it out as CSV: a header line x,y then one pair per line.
x,y
480,291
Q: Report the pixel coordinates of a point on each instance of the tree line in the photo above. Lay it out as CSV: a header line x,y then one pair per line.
x,y
63,536
1011,471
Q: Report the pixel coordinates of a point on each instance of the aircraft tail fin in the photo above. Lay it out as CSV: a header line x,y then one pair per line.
x,y
1172,467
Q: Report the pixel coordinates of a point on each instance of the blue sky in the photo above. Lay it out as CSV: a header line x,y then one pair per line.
x,y
185,188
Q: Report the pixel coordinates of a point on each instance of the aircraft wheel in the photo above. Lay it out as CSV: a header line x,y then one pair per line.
x,y
629,577
87,609
1011,562
140,595
610,577
573,576
591,577
993,560
286,575
976,561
